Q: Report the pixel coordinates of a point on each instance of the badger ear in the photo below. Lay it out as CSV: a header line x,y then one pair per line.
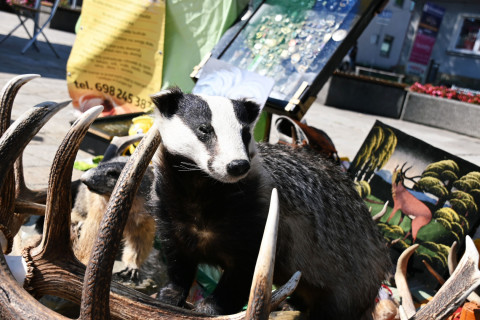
x,y
253,110
167,101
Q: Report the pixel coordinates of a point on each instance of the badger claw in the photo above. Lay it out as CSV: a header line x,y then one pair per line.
x,y
129,273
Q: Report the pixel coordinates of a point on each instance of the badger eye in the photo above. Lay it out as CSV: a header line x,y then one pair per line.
x,y
205,129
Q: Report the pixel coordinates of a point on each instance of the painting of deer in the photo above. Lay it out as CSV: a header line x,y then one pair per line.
x,y
408,204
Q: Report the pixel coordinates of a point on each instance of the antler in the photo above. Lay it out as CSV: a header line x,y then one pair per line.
x,y
401,280
452,264
451,295
119,144
380,214
52,266
13,140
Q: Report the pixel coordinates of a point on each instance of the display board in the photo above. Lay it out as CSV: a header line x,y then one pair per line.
x,y
298,43
117,57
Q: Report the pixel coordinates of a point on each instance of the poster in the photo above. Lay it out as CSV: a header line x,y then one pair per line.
x,y
433,196
427,31
117,57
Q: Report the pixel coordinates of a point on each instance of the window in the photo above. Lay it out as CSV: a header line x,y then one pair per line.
x,y
386,46
467,36
399,3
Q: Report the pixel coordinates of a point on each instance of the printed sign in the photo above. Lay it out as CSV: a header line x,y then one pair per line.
x,y
117,57
422,48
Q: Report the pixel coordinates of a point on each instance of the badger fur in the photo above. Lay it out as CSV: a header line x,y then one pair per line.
x,y
211,194
90,205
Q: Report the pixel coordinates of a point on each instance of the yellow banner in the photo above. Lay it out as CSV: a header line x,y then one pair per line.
x,y
117,57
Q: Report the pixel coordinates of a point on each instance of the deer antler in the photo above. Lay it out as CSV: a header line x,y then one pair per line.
x,y
119,144
451,295
52,267
380,214
401,280
452,264
12,144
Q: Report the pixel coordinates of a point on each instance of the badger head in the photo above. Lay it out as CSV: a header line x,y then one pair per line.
x,y
215,133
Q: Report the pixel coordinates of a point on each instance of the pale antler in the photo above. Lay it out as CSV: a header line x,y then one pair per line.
x,y
379,215
453,293
401,280
452,264
452,258
260,292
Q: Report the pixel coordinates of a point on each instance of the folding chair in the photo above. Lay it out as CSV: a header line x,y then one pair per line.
x,y
24,13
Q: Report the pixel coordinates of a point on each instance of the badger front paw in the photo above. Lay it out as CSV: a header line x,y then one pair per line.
x,y
208,306
129,274
173,295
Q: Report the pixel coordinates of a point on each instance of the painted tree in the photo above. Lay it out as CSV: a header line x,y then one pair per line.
x,y
374,153
452,221
466,199
438,179
458,198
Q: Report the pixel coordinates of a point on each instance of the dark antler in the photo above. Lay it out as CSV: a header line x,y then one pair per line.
x,y
52,267
12,142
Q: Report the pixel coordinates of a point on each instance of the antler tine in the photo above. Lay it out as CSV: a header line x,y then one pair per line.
x,y
7,96
284,291
452,258
12,143
19,134
433,272
56,233
401,280
451,295
261,290
21,189
118,145
99,270
379,215
28,207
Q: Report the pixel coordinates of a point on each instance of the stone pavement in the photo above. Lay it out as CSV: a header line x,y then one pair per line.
x,y
347,129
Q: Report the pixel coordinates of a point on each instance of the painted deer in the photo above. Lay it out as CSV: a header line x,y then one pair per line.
x,y
410,206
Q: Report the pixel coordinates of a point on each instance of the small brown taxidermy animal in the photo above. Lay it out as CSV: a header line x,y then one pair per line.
x,y
211,196
90,205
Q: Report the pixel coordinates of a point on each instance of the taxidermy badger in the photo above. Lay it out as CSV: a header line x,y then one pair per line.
x,y
212,189
90,205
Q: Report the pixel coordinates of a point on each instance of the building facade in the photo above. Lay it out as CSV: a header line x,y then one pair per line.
x,y
435,41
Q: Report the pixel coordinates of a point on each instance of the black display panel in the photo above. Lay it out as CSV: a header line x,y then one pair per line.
x,y
298,43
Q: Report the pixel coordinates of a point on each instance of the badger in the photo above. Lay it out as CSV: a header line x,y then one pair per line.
x,y
212,185
90,204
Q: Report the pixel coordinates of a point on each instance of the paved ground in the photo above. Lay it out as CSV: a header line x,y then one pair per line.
x,y
347,129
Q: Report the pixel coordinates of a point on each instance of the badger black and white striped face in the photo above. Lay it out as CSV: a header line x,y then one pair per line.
x,y
215,133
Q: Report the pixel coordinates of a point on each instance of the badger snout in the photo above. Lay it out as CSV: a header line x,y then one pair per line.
x,y
238,168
